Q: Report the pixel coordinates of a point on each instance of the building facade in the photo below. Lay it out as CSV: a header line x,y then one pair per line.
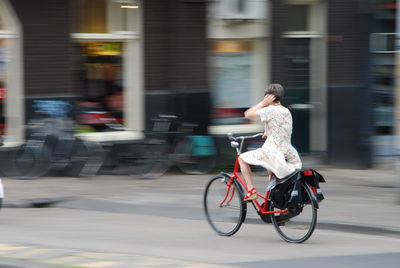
x,y
207,61
85,52
333,58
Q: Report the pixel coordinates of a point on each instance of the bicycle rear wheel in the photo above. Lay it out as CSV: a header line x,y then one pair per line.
x,y
225,218
299,223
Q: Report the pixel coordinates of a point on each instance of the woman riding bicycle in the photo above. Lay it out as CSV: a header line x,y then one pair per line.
x,y
277,154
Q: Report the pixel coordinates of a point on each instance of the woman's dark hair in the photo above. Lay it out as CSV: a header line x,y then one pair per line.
x,y
276,90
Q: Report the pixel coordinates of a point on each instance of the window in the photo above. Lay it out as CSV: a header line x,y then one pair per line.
x,y
297,18
103,30
231,68
107,16
102,90
298,60
382,89
92,16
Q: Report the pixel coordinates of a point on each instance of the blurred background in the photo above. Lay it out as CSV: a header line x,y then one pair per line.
x,y
139,87
99,68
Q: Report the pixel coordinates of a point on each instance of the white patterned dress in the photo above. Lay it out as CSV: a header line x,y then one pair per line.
x,y
277,153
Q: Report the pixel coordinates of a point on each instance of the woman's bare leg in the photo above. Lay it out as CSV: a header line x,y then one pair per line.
x,y
246,172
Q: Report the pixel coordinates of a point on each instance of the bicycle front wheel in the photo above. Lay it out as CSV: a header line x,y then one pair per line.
x,y
224,208
299,223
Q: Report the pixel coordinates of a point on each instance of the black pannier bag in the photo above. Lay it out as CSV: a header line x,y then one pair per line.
x,y
281,193
287,191
313,178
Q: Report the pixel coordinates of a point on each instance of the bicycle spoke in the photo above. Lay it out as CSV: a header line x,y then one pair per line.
x,y
298,224
225,218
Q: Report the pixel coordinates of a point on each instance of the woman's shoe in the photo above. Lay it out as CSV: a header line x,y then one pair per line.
x,y
251,195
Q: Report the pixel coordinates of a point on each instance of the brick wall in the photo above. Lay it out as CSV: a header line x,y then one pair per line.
x,y
47,46
349,96
344,41
279,68
175,45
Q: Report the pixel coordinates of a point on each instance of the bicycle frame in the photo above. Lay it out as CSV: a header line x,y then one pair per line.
x,y
260,208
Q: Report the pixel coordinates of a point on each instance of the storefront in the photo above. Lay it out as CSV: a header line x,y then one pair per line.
x,y
109,55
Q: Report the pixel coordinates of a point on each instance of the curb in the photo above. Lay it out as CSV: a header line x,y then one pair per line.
x,y
359,229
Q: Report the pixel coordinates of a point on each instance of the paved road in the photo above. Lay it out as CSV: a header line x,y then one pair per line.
x,y
120,222
55,235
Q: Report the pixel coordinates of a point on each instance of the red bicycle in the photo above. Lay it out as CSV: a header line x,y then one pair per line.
x,y
290,204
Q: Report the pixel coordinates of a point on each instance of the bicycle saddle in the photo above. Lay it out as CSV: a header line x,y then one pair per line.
x,y
288,177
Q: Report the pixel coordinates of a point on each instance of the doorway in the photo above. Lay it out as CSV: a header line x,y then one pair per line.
x,y
298,90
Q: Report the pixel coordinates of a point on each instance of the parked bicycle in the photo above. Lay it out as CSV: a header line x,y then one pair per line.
x,y
290,204
192,154
170,143
51,145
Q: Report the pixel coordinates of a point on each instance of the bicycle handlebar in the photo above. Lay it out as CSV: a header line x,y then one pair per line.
x,y
232,138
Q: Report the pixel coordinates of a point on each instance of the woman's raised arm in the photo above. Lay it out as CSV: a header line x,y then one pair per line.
x,y
251,113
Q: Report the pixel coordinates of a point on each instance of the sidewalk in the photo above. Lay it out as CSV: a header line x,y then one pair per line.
x,y
355,200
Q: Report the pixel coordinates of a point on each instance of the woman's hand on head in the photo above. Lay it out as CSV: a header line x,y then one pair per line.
x,y
267,100
252,112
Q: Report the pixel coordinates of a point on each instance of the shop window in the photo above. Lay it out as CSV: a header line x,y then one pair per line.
x,y
102,89
297,18
102,33
231,69
107,16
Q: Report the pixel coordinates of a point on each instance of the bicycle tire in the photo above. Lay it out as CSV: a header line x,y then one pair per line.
x,y
301,225
152,164
85,160
224,220
27,162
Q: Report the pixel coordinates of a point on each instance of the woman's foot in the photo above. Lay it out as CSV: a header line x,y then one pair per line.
x,y
251,195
